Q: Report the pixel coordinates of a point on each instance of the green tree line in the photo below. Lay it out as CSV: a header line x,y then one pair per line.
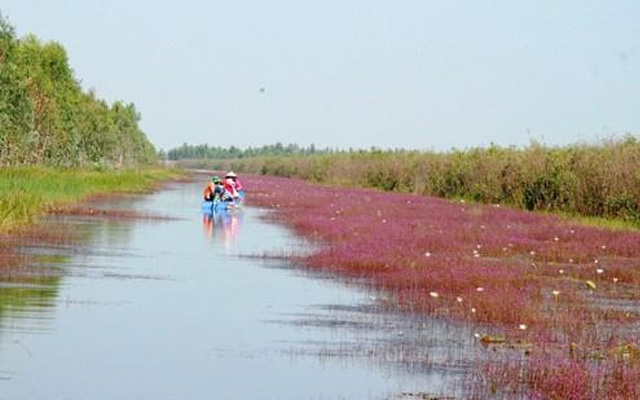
x,y
204,151
46,118
600,180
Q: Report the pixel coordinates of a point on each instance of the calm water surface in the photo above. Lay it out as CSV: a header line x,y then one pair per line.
x,y
173,309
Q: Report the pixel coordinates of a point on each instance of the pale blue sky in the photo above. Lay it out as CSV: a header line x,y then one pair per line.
x,y
355,73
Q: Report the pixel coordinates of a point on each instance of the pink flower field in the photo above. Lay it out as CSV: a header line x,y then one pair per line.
x,y
564,297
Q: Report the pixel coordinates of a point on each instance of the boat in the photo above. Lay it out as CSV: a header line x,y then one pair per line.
x,y
209,207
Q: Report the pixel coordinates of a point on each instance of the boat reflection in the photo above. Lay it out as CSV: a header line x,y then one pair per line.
x,y
223,225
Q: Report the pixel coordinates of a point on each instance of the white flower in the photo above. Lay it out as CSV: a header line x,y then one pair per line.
x,y
434,294
522,327
561,271
599,271
615,280
473,310
459,299
479,289
556,293
427,254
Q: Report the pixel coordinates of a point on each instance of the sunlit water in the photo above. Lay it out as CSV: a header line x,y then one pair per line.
x,y
174,309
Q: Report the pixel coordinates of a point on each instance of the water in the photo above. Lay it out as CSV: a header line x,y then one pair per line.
x,y
174,308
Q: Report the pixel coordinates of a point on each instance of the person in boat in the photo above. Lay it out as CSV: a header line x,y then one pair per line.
x,y
236,183
215,191
230,185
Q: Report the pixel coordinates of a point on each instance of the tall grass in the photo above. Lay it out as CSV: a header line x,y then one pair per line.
x,y
26,193
599,180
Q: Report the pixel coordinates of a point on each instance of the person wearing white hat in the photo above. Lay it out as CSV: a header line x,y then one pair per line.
x,y
237,185
230,185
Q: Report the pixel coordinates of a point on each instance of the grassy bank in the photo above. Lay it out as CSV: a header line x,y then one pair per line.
x,y
27,193
598,180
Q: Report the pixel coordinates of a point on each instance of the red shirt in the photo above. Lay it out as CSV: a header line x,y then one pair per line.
x,y
238,184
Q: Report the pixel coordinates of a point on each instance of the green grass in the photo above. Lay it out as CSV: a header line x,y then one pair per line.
x,y
26,193
604,222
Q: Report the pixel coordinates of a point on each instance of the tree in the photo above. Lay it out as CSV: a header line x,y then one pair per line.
x,y
46,118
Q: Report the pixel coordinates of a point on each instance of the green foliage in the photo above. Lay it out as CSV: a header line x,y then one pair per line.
x,y
46,118
204,151
27,192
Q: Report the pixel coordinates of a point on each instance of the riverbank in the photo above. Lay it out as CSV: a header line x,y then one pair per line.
x,y
582,180
27,193
555,304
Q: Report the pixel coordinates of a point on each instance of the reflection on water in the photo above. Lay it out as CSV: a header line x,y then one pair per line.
x,y
223,226
27,305
148,309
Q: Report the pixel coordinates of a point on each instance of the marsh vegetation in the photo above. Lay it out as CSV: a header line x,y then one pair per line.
x,y
588,180
555,304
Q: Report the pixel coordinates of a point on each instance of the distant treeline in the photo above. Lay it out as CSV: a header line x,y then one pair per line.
x,y
46,117
600,180
204,151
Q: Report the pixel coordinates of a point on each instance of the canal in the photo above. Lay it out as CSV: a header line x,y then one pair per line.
x,y
184,307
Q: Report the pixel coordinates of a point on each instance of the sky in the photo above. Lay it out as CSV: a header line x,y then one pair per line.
x,y
413,74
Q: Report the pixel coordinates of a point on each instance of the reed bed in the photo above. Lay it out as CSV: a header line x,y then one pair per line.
x,y
562,299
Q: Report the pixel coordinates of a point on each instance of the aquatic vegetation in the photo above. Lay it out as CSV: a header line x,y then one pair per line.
x,y
536,279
